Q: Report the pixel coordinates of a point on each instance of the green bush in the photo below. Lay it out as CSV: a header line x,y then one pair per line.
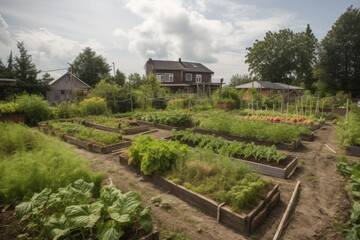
x,y
35,107
67,110
9,107
227,93
37,162
93,106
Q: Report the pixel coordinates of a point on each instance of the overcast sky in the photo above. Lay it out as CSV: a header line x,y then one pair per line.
x,y
128,32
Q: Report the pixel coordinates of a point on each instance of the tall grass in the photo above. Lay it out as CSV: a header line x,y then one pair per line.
x,y
35,162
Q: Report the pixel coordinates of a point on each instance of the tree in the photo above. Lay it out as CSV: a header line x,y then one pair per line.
x,y
90,67
339,54
239,79
135,80
25,72
47,78
283,56
119,78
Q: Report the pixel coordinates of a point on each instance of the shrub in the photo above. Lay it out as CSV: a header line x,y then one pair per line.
x,y
9,107
67,110
93,106
35,108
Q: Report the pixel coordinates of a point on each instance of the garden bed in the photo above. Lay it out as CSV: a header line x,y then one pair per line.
x,y
127,131
352,151
245,223
90,146
282,170
159,125
12,117
282,146
308,138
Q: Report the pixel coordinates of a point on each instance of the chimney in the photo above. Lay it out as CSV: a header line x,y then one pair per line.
x,y
150,60
179,60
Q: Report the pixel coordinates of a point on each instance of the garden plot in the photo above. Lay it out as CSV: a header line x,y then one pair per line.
x,y
267,160
85,137
349,132
206,181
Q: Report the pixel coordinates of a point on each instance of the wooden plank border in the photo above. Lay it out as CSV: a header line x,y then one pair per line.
x,y
352,151
245,223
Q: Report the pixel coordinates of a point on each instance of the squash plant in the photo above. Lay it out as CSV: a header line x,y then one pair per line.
x,y
231,149
155,155
73,212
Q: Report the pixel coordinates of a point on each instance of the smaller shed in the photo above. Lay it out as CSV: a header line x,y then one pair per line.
x,y
66,88
268,89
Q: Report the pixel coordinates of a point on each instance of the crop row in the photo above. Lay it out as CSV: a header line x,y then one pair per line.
x,y
231,149
85,133
348,131
171,118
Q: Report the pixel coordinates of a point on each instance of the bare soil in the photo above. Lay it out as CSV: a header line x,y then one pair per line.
x,y
321,204
322,200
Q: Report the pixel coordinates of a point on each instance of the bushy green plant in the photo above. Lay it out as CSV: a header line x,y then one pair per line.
x,y
35,107
171,118
93,106
232,149
155,155
8,107
35,162
73,212
86,133
348,132
227,94
352,173
67,110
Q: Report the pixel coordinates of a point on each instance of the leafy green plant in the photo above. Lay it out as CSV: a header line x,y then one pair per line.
x,y
9,107
232,149
352,172
348,132
85,133
74,212
35,107
155,155
67,110
93,106
171,118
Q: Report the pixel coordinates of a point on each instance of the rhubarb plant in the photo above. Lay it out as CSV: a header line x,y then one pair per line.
x,y
73,212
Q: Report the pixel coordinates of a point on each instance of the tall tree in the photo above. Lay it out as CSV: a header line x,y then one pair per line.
x,y
339,54
119,78
90,67
135,80
283,56
47,78
25,72
10,67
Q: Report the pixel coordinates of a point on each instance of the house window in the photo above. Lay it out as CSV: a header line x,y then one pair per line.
x,y
188,77
160,77
62,92
169,77
198,78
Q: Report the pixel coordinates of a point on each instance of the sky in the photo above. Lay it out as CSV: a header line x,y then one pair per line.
x,y
127,33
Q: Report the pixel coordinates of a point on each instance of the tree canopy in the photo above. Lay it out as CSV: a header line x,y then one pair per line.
x,y
283,56
339,55
90,67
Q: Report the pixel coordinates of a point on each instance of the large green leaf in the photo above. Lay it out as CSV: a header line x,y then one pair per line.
x,y
38,200
109,194
85,215
109,230
83,186
126,208
145,219
57,226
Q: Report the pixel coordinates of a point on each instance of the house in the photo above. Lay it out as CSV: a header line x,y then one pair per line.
x,y
269,89
66,88
188,77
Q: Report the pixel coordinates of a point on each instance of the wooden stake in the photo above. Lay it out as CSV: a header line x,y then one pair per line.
x,y
285,217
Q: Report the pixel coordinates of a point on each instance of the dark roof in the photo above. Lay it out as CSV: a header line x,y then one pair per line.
x,y
179,65
267,85
68,73
7,81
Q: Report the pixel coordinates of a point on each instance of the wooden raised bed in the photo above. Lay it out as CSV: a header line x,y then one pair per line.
x,y
282,146
264,168
245,223
307,137
127,131
12,117
352,151
93,147
158,125
101,127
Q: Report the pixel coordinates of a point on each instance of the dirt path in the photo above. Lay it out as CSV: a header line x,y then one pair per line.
x,y
322,197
